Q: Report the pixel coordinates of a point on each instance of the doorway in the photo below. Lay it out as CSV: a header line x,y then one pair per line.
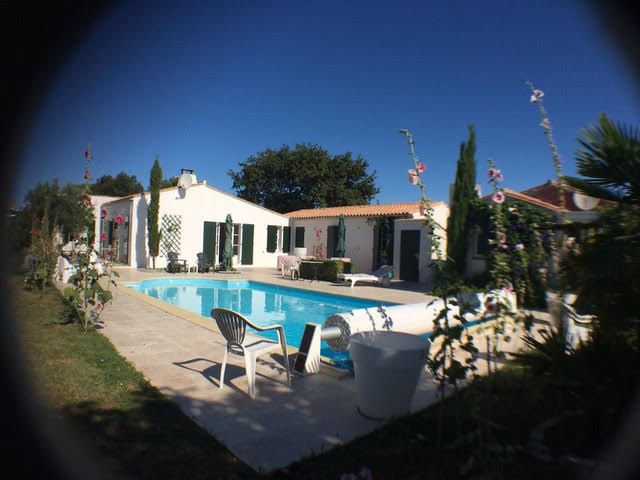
x,y
410,255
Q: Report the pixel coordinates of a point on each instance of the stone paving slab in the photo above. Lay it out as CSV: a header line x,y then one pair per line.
x,y
180,354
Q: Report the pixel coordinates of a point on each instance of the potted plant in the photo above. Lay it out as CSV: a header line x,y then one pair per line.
x,y
387,367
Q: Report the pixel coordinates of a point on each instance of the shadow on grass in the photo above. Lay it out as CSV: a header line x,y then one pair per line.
x,y
154,439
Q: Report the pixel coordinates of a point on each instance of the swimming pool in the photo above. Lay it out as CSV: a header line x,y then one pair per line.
x,y
262,303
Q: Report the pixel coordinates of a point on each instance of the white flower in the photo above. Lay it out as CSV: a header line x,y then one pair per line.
x,y
537,95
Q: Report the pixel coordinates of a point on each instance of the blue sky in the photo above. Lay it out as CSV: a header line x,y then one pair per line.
x,y
205,85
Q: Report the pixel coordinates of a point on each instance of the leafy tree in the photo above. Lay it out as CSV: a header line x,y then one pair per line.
x,y
58,207
154,209
120,186
304,177
463,195
168,183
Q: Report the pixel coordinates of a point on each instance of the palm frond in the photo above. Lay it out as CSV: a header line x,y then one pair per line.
x,y
609,156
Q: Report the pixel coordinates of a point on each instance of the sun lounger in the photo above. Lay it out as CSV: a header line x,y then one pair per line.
x,y
381,276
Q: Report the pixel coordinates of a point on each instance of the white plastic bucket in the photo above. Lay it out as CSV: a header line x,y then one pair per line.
x,y
387,367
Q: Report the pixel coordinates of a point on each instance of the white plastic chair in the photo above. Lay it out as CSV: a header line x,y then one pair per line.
x,y
291,267
233,327
578,327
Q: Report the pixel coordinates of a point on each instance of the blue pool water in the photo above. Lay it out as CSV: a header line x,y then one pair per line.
x,y
262,303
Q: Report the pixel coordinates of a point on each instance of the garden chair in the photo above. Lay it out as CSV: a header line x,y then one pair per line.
x,y
204,264
233,327
578,328
291,267
175,264
381,276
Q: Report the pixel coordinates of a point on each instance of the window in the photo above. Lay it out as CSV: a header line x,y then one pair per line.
x,y
299,237
480,242
236,238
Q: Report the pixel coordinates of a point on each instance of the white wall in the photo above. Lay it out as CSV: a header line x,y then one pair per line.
x,y
358,238
198,204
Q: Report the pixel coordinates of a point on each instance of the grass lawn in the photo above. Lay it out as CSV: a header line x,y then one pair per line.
x,y
84,381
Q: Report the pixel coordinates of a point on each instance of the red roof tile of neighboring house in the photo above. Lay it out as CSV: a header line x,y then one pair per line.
x,y
523,197
392,209
550,193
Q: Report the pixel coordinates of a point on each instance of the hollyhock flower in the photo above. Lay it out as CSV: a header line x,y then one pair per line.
x,y
118,219
545,124
413,176
490,306
498,198
537,95
103,213
87,175
348,476
492,172
421,167
502,238
498,176
103,237
365,474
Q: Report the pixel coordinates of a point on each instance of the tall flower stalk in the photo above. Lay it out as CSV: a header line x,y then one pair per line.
x,y
446,368
545,123
86,295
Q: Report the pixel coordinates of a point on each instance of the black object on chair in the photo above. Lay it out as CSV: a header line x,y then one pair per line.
x,y
204,264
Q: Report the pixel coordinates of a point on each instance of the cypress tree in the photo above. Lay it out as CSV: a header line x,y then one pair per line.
x,y
464,192
154,209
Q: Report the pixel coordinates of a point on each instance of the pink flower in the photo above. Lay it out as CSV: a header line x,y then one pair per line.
x,y
492,172
421,167
103,237
537,95
498,198
98,306
498,177
103,213
413,176
118,219
490,306
348,476
365,474
502,238
87,175
545,124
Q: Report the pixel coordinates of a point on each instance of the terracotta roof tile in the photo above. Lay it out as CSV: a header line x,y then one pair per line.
x,y
407,208
529,199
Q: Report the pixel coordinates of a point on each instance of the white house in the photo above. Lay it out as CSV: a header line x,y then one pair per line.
x,y
393,234
192,220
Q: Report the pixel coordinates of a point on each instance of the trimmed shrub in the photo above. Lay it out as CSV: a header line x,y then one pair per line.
x,y
327,271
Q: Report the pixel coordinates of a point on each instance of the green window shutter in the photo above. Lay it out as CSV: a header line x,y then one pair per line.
x,y
299,237
332,240
286,241
247,244
209,240
272,238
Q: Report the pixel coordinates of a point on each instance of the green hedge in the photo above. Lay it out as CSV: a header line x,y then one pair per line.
x,y
328,271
